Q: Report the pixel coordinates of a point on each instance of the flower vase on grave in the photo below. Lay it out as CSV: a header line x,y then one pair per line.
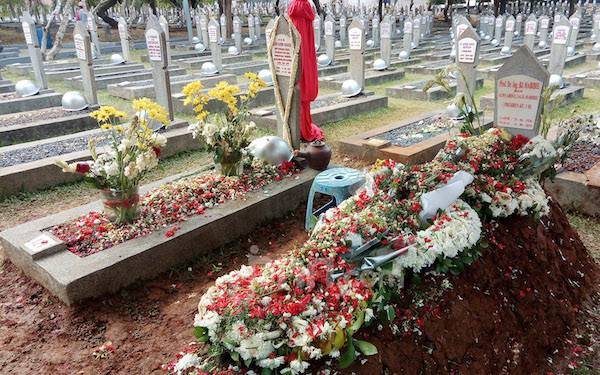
x,y
232,164
121,206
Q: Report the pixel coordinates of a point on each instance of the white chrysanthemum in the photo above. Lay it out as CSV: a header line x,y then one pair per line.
x,y
255,347
271,363
190,360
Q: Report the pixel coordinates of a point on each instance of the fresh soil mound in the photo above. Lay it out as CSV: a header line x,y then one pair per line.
x,y
505,314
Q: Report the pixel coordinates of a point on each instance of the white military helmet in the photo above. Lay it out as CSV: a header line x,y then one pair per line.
x,y
350,88
73,101
26,88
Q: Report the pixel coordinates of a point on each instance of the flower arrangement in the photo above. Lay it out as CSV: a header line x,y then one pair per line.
x,y
277,317
133,150
225,133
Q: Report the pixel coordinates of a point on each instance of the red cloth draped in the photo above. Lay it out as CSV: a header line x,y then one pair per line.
x,y
302,16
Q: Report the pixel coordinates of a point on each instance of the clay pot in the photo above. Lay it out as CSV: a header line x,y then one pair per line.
x,y
318,155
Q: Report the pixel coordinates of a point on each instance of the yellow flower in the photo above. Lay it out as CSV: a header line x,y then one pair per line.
x,y
152,109
254,86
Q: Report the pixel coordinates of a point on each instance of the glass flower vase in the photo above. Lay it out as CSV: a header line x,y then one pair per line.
x,y
121,207
232,164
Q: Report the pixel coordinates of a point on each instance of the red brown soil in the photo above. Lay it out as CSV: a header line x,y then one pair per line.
x,y
492,324
507,313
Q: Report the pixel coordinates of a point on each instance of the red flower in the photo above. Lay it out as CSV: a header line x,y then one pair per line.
x,y
416,207
156,151
171,232
518,141
82,168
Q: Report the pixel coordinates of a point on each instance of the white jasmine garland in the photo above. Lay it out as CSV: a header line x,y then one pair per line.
x,y
460,232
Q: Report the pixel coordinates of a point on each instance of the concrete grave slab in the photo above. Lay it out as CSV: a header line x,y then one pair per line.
x,y
326,108
372,77
414,91
42,173
72,278
105,79
134,90
379,143
577,191
42,100
25,131
101,69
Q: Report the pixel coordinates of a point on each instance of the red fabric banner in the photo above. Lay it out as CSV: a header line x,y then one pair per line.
x,y
302,16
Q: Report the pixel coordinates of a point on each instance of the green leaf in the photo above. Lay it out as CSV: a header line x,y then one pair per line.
x,y
313,220
349,355
365,347
360,319
201,334
266,371
235,356
390,313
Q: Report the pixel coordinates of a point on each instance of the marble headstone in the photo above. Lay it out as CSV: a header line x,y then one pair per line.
x,y
83,50
518,88
33,48
356,44
156,43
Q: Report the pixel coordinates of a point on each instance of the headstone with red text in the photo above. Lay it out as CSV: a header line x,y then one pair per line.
x,y
530,31
575,21
356,45
498,30
519,86
386,40
33,48
156,43
213,42
93,30
467,59
284,61
508,35
560,39
83,50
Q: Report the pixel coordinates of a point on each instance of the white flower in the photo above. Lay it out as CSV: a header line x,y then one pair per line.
x,y
272,363
124,145
189,360
369,315
209,320
111,169
160,140
255,347
297,366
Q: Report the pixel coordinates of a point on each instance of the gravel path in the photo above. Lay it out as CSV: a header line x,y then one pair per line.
x,y
43,114
29,154
418,131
